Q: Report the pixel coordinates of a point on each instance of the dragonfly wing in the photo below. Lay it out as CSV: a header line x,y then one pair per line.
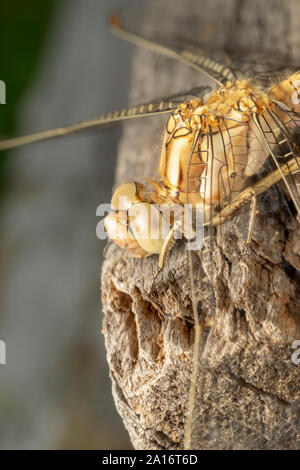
x,y
262,68
278,130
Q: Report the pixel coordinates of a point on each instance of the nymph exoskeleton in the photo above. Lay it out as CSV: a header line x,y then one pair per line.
x,y
213,144
211,148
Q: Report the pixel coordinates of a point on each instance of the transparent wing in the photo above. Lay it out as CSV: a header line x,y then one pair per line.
x,y
251,157
262,68
279,129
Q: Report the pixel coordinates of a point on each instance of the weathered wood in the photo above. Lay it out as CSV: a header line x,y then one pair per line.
x,y
248,387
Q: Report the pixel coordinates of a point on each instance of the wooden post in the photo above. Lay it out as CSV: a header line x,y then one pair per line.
x,y
248,386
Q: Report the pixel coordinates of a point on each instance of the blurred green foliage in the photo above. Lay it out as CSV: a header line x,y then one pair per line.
x,y
23,26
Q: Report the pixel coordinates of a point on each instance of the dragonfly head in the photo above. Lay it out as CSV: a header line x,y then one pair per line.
x,y
126,195
136,225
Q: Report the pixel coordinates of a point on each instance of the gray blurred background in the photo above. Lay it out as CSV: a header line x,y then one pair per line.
x,y
61,65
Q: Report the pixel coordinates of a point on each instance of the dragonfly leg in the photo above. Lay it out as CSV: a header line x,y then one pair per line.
x,y
252,218
257,188
168,244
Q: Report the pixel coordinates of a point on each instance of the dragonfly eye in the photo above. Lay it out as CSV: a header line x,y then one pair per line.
x,y
122,235
125,195
115,227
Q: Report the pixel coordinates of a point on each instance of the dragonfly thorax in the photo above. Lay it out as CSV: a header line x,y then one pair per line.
x,y
210,150
226,152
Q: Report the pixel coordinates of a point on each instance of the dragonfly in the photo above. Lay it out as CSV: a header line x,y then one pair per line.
x,y
222,149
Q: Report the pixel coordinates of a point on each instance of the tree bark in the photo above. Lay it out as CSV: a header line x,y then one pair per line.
x,y
248,387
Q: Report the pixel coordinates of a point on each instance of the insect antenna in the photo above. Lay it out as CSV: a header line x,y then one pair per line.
x,y
144,110
216,71
156,107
